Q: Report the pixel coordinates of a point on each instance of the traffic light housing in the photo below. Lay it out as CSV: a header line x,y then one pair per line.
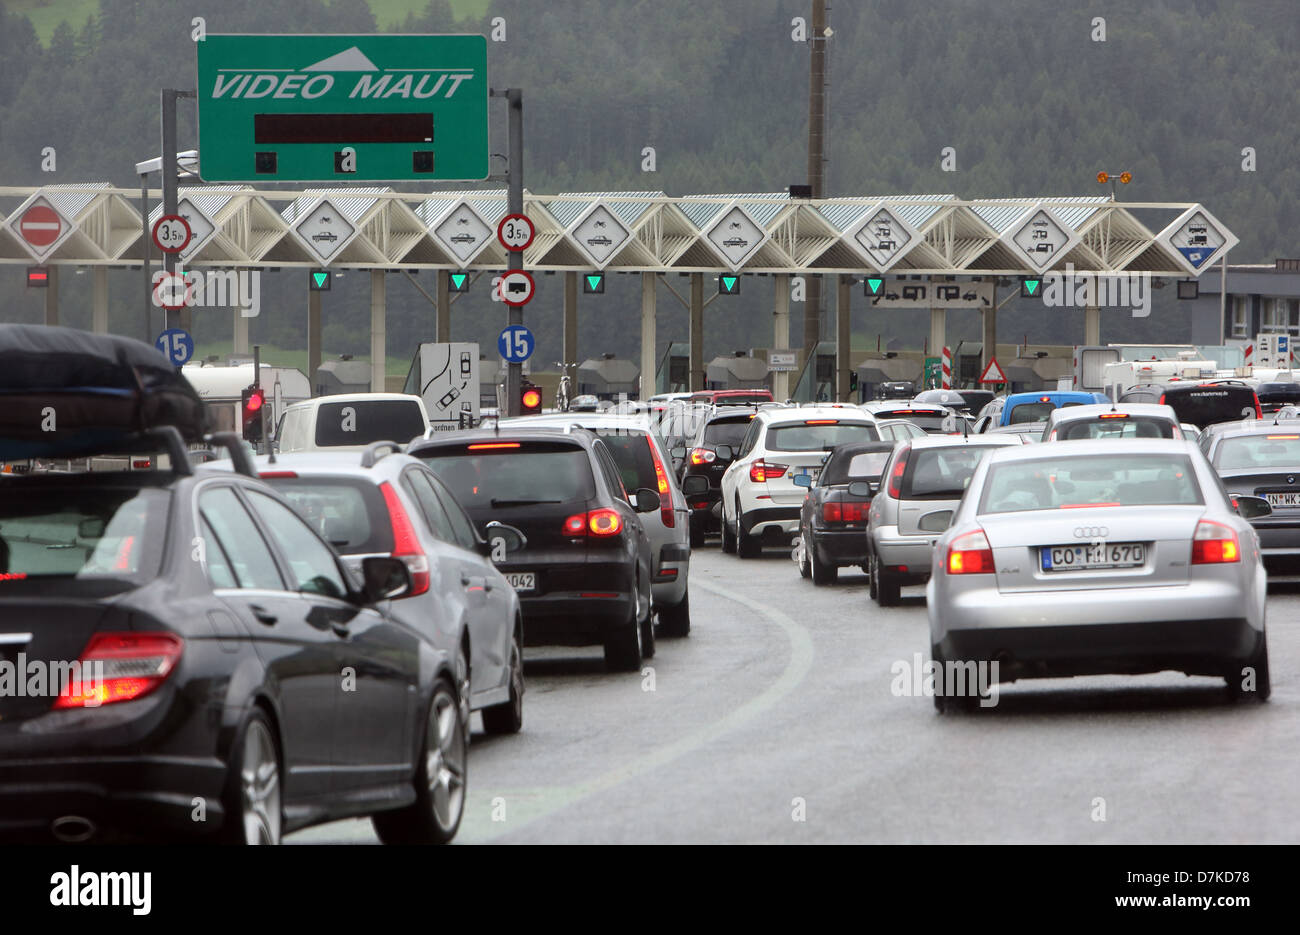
x,y
458,281
252,400
729,284
1031,287
530,399
319,280
593,283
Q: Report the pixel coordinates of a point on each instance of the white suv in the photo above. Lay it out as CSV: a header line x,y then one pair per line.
x,y
759,496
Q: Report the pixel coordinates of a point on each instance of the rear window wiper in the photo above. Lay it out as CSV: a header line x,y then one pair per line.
x,y
496,502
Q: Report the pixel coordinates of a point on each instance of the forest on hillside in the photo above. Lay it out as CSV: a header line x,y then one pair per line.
x,y
1021,91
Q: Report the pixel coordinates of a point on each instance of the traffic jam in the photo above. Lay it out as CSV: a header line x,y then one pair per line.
x,y
306,624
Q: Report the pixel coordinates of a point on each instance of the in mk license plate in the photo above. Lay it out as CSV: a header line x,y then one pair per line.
x,y
1282,499
1082,557
522,580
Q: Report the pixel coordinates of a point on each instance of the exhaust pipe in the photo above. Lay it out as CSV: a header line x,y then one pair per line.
x,y
73,829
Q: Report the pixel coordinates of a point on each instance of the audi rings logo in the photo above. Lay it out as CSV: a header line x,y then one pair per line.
x,y
1091,532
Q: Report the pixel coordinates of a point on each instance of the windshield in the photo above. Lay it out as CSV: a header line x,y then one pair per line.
x,y
528,473
1063,483
800,436
83,533
932,423
361,422
1120,427
351,515
940,473
1030,412
1210,404
1278,450
845,468
726,432
632,456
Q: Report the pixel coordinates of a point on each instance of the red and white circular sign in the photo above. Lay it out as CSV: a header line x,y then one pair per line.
x,y
171,233
40,225
517,287
515,232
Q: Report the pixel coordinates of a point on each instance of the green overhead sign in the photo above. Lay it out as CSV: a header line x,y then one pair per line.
x,y
342,108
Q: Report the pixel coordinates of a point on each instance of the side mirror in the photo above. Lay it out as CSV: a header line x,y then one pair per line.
x,y
647,500
678,452
937,521
383,578
500,535
1251,507
724,452
861,489
803,480
694,484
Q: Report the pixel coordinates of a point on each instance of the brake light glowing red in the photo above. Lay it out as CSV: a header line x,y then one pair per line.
x,y
601,522
121,667
481,446
844,511
821,421
666,512
272,475
970,554
703,456
406,546
895,487
576,525
1214,543
760,472
1114,415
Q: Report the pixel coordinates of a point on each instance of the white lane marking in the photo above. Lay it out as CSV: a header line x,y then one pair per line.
x,y
527,806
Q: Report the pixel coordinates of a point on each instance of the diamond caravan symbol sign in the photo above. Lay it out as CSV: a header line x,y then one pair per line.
x,y
1042,239
283,107
599,235
324,231
39,227
462,233
884,238
736,236
1197,239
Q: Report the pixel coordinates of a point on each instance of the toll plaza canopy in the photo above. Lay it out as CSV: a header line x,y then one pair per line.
x,y
377,228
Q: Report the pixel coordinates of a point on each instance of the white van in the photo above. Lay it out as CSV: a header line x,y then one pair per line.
x,y
351,421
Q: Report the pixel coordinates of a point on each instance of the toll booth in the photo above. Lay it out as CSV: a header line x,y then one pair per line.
x,y
737,372
816,382
343,375
608,377
674,373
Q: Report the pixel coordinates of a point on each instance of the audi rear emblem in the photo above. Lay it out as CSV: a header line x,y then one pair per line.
x,y
1091,532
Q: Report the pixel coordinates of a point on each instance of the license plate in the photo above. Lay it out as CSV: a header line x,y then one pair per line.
x,y
1084,557
1282,499
522,580
814,473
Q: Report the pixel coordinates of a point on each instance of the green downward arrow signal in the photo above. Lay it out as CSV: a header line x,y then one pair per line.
x,y
729,283
320,278
458,279
1031,286
593,282
875,284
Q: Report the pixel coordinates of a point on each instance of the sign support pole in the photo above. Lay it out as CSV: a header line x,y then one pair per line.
x,y
442,308
648,305
989,339
313,337
52,296
781,333
168,171
697,332
570,329
99,312
514,205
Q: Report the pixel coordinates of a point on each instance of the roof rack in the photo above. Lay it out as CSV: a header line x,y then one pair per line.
x,y
232,442
372,452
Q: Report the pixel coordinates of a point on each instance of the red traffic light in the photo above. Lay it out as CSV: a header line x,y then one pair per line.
x,y
531,399
256,400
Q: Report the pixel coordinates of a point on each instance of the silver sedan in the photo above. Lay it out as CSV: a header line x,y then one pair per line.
x,y
1085,558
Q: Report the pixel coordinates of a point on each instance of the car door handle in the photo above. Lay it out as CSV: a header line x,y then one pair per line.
x,y
262,614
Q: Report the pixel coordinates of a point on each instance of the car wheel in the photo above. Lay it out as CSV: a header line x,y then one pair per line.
x,y
252,800
647,626
623,646
822,573
508,717
697,533
1263,683
870,569
728,538
804,568
943,702
676,621
440,778
463,687
940,702
886,588
747,546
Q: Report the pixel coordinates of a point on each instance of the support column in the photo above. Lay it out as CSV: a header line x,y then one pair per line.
x,y
52,297
781,332
1092,325
843,337
571,326
989,337
313,338
647,335
938,326
378,329
241,332
442,313
99,312
697,332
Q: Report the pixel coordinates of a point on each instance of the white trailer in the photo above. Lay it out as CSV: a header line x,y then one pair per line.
x,y
222,388
1125,374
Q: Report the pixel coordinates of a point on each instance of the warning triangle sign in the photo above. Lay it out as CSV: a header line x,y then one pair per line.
x,y
993,373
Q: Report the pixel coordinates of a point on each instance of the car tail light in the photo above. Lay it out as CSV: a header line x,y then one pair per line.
x,y
1214,543
970,554
273,475
844,511
140,464
602,522
666,512
1113,415
1258,413
761,472
484,446
821,421
895,487
132,665
703,456
406,546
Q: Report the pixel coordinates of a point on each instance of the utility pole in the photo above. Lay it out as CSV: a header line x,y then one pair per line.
x,y
168,168
812,309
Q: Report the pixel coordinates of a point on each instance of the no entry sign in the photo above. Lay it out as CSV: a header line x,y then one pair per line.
x,y
40,225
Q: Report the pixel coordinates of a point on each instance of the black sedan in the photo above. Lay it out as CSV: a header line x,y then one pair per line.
x,y
1261,458
833,519
707,454
197,662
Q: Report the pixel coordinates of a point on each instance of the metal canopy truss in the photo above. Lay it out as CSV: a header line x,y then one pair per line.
x,y
954,237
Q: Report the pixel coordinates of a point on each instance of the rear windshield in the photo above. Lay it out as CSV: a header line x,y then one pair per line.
x,y
631,451
1096,480
844,469
931,422
1126,427
1140,396
726,432
533,472
743,400
800,436
1279,392
1278,450
1030,412
1206,405
941,473
351,515
89,534
360,422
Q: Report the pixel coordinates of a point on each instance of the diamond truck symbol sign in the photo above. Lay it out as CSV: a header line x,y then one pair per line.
x,y
884,238
1041,239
